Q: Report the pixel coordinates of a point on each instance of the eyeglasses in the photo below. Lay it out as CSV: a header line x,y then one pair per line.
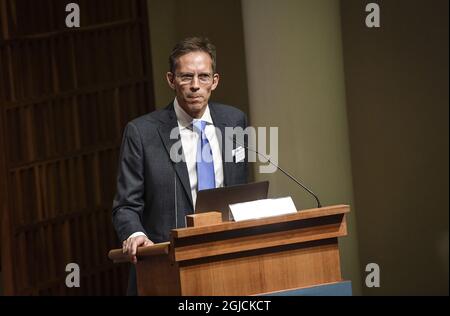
x,y
203,78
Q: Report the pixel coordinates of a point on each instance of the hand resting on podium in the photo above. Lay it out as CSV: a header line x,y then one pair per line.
x,y
130,245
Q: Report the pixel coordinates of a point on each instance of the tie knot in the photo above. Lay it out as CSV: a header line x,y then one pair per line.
x,y
200,126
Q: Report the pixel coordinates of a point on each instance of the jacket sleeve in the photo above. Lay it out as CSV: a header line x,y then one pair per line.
x,y
128,203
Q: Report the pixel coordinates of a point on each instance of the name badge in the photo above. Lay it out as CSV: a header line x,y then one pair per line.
x,y
238,154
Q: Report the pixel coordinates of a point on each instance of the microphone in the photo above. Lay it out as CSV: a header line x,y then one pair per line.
x,y
279,168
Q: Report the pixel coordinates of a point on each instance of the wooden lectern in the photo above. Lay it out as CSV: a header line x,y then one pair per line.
x,y
252,257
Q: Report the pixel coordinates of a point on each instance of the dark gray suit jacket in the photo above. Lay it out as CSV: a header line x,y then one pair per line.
x,y
147,177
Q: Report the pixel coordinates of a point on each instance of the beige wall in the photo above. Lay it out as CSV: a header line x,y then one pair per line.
x,y
221,22
397,88
296,82
163,35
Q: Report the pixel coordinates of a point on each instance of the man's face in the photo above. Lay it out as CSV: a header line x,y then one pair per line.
x,y
193,82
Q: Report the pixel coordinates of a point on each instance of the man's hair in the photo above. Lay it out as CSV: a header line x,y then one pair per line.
x,y
189,45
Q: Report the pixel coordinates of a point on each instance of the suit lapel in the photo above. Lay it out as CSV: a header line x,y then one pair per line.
x,y
169,120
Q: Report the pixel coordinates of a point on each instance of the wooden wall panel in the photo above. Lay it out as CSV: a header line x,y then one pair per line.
x,y
65,96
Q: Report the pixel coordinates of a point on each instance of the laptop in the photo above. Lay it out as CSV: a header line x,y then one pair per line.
x,y
219,199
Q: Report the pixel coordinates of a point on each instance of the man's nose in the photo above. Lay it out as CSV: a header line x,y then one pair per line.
x,y
195,84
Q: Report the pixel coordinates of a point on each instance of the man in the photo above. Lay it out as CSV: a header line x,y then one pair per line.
x,y
154,191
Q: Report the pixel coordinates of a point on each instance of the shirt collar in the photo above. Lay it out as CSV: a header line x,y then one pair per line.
x,y
185,120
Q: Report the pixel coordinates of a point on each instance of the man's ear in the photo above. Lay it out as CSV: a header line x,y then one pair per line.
x,y
216,79
170,80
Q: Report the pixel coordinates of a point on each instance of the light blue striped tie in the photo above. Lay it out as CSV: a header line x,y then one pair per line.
x,y
205,164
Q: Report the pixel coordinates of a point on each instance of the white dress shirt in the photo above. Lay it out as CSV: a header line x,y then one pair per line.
x,y
189,141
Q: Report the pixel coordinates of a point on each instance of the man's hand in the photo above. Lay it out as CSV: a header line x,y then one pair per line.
x,y
130,246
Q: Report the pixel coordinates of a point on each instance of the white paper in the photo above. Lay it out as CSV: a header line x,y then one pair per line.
x,y
262,208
